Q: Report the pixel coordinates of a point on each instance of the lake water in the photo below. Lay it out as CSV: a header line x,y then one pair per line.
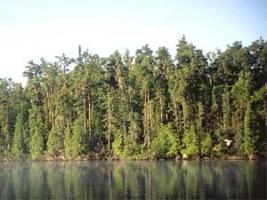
x,y
134,180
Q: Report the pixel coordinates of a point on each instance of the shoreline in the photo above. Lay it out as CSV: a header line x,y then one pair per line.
x,y
89,158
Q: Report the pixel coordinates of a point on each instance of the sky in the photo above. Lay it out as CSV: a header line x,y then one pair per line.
x,y
31,29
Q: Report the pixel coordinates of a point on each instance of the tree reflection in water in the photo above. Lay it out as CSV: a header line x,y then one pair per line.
x,y
133,179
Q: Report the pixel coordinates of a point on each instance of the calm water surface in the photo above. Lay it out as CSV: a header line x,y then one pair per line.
x,y
134,180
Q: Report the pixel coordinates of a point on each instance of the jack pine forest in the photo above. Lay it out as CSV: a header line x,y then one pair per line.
x,y
149,105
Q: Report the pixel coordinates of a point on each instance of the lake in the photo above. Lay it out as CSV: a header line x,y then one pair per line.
x,y
134,180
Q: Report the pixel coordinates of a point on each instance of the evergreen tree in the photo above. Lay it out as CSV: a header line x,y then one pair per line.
x,y
18,145
52,142
55,142
36,131
241,96
206,145
68,142
165,143
141,105
190,142
78,143
249,140
5,121
226,109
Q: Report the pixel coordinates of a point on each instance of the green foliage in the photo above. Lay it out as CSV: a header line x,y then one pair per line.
x,y
132,149
240,91
248,145
53,143
2,150
89,104
206,145
117,145
36,145
226,108
134,128
164,144
68,142
18,148
125,147
36,132
78,143
190,141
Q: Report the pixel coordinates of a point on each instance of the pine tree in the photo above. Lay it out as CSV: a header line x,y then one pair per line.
x,y
78,142
36,145
165,143
240,94
52,142
190,141
18,139
36,132
248,145
5,121
206,145
226,109
126,103
68,142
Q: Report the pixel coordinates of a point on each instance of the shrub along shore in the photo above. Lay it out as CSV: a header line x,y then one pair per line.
x,y
99,157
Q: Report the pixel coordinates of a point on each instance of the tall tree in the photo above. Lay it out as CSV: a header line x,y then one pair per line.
x,y
140,105
36,131
78,142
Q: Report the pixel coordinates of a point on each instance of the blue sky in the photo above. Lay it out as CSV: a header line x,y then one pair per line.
x,y
30,29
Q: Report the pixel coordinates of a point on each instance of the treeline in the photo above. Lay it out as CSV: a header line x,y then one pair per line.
x,y
147,105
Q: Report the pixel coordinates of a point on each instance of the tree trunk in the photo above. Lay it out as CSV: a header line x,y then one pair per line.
x,y
109,120
85,110
161,110
89,116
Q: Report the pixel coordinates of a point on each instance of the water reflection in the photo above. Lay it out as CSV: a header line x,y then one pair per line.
x,y
137,180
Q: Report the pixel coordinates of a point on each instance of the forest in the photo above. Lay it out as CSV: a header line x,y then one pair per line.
x,y
147,106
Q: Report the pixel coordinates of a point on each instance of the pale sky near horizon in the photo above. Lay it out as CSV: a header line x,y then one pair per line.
x,y
31,29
